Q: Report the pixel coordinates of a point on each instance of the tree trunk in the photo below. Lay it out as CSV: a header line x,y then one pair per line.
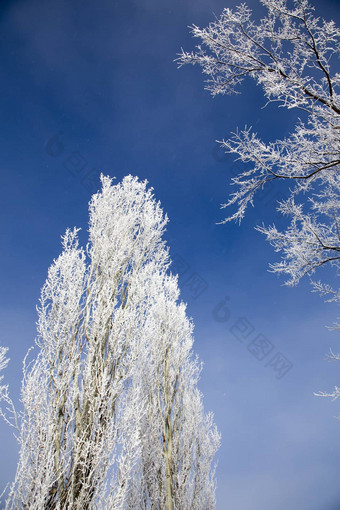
x,y
169,503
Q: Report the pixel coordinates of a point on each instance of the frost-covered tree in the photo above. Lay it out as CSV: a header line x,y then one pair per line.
x,y
289,53
83,396
178,441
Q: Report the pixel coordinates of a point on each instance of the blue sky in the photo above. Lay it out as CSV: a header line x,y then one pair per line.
x,y
91,86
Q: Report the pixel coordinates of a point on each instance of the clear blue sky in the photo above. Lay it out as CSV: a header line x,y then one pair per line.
x,y
91,86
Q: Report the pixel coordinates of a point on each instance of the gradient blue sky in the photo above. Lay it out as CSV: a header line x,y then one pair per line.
x,y
91,86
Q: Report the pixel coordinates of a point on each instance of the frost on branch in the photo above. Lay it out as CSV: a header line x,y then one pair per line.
x,y
178,441
109,325
289,53
8,413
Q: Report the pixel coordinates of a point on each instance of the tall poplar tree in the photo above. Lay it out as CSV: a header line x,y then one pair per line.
x,y
91,417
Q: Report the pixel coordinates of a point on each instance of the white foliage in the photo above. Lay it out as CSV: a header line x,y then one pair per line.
x,y
178,441
108,320
9,413
290,54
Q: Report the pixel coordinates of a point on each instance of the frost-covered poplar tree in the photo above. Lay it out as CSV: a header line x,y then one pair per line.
x,y
178,441
290,54
83,395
